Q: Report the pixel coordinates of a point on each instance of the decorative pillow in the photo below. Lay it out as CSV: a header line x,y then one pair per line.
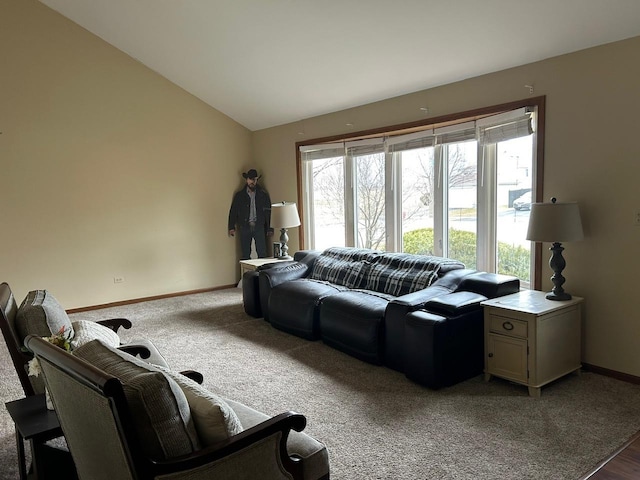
x,y
214,419
159,409
40,314
85,331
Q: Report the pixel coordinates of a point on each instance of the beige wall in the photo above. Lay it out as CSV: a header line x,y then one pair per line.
x,y
108,170
592,156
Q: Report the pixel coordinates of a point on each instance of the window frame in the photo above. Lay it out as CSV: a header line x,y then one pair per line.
x,y
442,121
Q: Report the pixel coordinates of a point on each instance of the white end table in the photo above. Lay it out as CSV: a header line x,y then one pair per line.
x,y
254,263
531,340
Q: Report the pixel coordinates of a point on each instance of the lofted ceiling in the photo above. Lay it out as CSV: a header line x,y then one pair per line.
x,y
270,62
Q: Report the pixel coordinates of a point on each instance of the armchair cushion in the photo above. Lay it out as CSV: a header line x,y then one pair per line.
x,y
85,331
214,420
314,454
159,408
40,314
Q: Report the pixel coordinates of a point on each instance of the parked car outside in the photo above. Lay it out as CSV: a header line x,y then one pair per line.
x,y
523,202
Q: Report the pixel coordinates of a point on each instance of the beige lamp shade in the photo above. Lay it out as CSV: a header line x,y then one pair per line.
x,y
555,222
284,215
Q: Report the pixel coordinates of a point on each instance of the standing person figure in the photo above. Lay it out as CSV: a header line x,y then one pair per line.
x,y
250,216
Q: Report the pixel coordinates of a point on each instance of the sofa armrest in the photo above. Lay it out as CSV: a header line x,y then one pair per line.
x,y
491,285
394,319
441,351
275,430
251,293
193,375
272,277
136,350
400,306
251,288
115,323
278,273
452,279
457,303
306,256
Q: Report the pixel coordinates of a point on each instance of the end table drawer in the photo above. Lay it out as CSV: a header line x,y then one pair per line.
x,y
508,326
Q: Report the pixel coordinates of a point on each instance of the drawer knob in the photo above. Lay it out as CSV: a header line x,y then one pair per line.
x,y
507,326
491,355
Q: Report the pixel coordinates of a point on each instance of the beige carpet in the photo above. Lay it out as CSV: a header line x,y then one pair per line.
x,y
375,422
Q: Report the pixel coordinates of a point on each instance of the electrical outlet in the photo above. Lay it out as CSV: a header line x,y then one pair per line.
x,y
118,279
636,219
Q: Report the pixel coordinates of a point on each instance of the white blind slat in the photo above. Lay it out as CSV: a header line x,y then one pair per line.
x,y
321,146
504,117
502,133
322,151
368,146
461,132
411,141
504,126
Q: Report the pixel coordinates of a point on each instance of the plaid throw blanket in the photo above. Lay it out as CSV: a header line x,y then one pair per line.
x,y
343,266
385,273
400,273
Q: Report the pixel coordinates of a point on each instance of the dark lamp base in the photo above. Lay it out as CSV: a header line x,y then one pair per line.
x,y
557,264
558,296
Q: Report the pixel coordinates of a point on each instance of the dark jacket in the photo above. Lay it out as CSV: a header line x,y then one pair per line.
x,y
239,212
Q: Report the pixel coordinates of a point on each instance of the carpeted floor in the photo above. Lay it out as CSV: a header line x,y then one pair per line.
x,y
376,423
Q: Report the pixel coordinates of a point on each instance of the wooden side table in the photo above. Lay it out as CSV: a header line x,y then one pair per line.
x,y
254,263
532,340
34,422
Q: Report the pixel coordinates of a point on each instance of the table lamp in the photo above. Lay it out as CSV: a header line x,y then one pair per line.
x,y
284,215
555,222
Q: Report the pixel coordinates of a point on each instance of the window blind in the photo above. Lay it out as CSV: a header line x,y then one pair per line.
x,y
368,146
461,132
322,151
410,141
504,126
496,128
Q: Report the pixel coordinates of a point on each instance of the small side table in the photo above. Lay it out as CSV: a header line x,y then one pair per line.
x,y
253,264
531,340
33,422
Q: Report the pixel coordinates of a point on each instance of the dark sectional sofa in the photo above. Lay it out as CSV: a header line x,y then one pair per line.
x,y
417,314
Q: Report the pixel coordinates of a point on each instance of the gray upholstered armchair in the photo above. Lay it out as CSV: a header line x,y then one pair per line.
x,y
126,419
41,314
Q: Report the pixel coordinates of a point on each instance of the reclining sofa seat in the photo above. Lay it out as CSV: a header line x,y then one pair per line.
x,y
293,297
353,320
363,302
